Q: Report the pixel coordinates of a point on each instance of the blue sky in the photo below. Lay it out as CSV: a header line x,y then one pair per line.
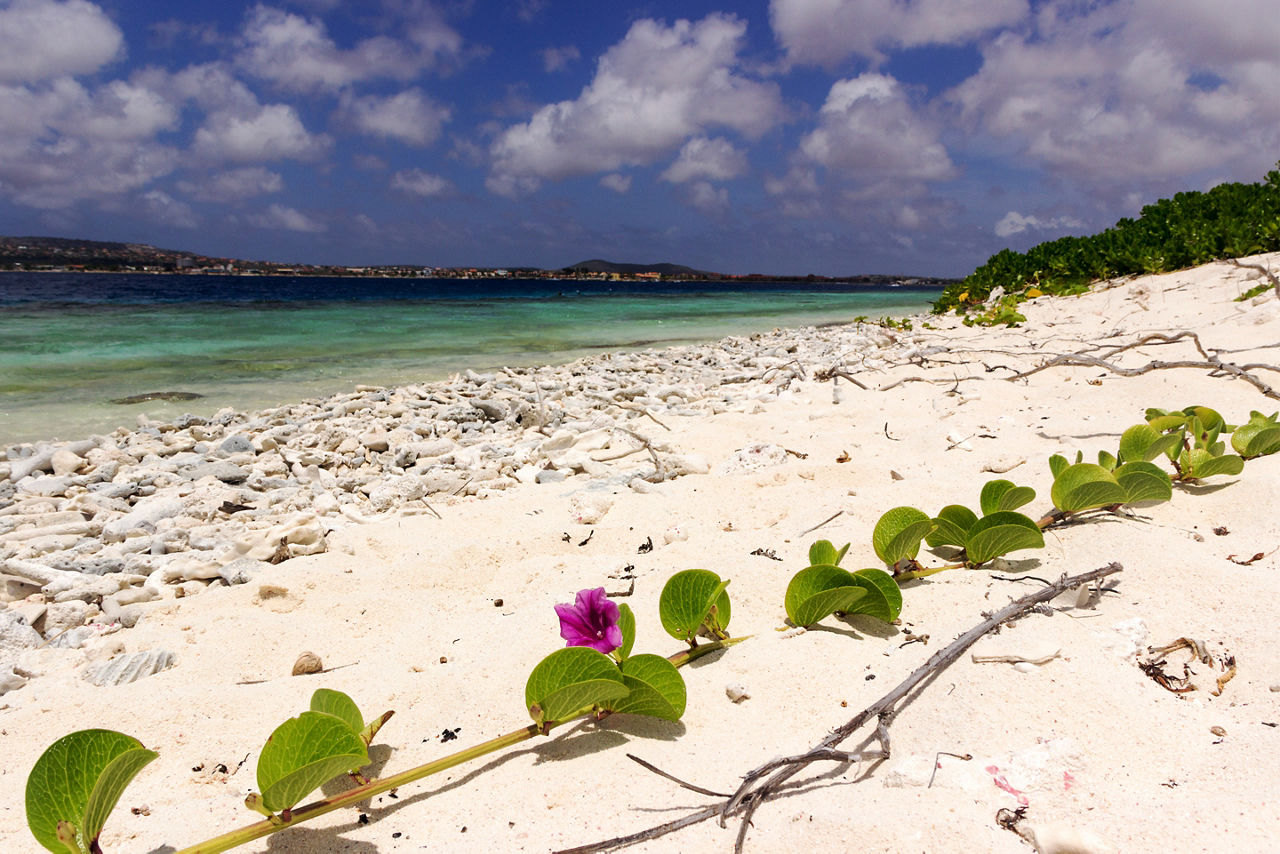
x,y
778,136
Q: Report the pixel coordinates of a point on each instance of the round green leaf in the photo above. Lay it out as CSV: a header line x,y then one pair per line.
x,y
691,599
1144,481
305,752
78,780
950,526
1004,495
568,682
823,552
339,705
884,598
1000,533
1085,486
818,591
657,688
1259,437
898,533
1199,463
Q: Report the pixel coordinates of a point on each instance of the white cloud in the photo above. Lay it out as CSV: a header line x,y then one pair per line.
x,y
62,143
1015,223
40,39
280,217
708,198
234,185
297,53
272,132
1111,94
420,183
410,117
617,183
653,90
715,159
163,208
823,32
558,58
868,131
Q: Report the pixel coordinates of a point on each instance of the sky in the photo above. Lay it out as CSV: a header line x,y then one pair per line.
x,y
762,136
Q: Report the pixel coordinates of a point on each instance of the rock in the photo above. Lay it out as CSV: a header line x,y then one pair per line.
x,y
737,692
148,511
236,443
589,508
127,668
10,681
65,461
308,662
375,441
223,470
15,634
241,570
492,410
62,616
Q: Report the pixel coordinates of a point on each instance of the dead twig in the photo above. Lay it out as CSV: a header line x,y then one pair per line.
x,y
1271,277
765,782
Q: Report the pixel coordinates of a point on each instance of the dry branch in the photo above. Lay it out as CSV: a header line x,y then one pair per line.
x,y
1271,277
753,792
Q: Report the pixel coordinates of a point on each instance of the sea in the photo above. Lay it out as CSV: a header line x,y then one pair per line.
x,y
72,345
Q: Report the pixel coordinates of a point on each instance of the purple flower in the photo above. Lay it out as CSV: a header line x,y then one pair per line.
x,y
592,620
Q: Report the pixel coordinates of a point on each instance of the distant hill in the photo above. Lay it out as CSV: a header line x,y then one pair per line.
x,y
596,265
35,252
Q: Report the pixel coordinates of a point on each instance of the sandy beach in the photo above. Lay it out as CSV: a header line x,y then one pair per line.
x,y
422,536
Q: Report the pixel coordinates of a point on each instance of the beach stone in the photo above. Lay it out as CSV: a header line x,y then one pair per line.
x,y
15,634
65,461
376,441
223,470
62,616
493,410
9,680
130,667
241,570
590,507
236,443
148,511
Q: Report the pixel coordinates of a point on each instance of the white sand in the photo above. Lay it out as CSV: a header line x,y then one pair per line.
x,y
1093,743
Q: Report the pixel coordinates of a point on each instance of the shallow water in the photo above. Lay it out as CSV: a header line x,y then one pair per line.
x,y
71,344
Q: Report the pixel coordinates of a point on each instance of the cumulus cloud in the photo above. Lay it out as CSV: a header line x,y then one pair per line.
x,y
282,218
558,58
715,159
823,32
272,132
652,91
1135,89
162,207
296,52
410,117
869,131
40,39
234,185
420,183
708,198
62,143
617,183
1015,223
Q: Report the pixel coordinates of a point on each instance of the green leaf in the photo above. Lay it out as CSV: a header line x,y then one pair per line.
x,y
568,682
1166,421
1144,481
819,591
1004,495
998,534
1085,486
657,688
627,623
79,780
305,752
1107,461
824,552
1057,464
898,534
691,599
1199,463
1143,443
339,705
1259,437
884,598
950,526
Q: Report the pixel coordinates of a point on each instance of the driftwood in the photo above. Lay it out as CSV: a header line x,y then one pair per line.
x,y
1271,277
1211,362
767,781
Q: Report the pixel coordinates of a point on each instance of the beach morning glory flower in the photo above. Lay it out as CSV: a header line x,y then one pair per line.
x,y
592,620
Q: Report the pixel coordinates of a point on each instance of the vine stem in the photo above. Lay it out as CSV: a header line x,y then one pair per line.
x,y
289,818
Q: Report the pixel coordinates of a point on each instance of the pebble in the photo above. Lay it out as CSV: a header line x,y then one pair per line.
x,y
130,667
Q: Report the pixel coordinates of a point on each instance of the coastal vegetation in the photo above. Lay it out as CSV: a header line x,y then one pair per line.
x,y
1229,221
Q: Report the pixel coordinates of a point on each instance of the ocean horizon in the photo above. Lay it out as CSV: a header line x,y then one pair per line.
x,y
72,343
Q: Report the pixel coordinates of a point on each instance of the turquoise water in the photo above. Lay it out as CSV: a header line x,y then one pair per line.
x,y
67,351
